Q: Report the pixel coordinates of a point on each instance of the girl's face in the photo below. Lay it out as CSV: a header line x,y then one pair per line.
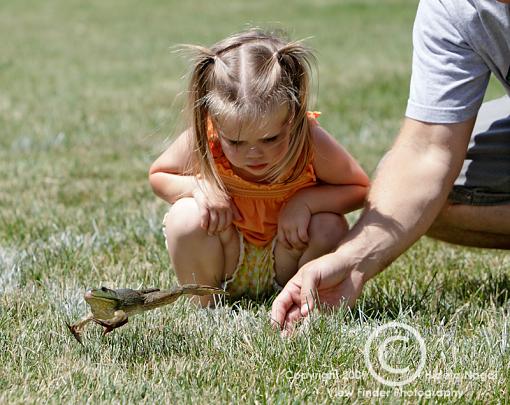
x,y
255,148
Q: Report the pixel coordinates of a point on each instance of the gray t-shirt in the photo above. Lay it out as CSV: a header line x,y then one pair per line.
x,y
457,44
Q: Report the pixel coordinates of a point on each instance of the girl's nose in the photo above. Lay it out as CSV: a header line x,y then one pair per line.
x,y
253,151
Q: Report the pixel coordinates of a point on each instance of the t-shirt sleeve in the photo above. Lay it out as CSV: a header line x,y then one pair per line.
x,y
448,79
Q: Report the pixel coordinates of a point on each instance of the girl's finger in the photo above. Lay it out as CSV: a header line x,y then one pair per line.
x,y
222,220
213,222
204,218
228,219
293,238
302,233
283,240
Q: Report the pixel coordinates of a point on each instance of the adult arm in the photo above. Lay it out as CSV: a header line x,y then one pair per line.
x,y
411,186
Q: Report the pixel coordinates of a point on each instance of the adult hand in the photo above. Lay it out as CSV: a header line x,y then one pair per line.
x,y
329,280
216,211
293,224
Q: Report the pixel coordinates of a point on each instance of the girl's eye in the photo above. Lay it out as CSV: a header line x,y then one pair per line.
x,y
234,142
271,139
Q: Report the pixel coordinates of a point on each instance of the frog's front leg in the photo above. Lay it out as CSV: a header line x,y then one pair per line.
x,y
78,327
119,318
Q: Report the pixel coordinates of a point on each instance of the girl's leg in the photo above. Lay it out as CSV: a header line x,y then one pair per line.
x,y
325,232
197,257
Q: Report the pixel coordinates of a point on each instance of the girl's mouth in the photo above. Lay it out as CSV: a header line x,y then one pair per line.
x,y
258,166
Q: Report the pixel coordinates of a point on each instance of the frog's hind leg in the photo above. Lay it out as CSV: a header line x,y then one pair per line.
x,y
119,318
77,328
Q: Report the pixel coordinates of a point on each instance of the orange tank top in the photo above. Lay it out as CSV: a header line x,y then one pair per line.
x,y
259,204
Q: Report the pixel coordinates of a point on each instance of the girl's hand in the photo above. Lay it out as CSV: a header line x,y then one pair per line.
x,y
216,212
293,224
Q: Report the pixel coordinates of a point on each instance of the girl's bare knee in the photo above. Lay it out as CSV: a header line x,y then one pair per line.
x,y
183,220
213,255
327,229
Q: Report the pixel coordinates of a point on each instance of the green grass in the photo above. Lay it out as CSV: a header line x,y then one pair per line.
x,y
89,96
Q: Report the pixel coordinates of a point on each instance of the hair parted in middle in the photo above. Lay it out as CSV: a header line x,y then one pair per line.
x,y
247,77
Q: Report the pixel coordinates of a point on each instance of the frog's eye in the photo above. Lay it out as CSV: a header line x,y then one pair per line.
x,y
104,289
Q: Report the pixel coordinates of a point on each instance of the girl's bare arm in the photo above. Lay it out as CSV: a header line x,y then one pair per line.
x,y
343,185
167,175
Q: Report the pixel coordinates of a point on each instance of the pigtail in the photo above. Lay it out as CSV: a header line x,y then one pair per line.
x,y
202,76
294,66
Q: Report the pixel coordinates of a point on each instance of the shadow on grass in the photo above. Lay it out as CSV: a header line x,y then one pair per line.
x,y
135,347
441,300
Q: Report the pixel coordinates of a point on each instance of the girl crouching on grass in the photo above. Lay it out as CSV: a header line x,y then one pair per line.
x,y
258,187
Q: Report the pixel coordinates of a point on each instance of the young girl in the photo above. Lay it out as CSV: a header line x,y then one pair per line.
x,y
258,187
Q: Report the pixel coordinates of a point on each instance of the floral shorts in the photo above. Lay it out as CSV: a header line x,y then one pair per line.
x,y
254,276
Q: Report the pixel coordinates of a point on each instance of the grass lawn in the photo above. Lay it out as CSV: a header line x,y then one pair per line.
x,y
90,94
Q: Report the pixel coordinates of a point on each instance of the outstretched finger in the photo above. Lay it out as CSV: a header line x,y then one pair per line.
x,y
281,306
309,286
292,317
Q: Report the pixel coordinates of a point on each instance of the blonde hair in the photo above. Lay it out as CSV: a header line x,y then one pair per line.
x,y
246,77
